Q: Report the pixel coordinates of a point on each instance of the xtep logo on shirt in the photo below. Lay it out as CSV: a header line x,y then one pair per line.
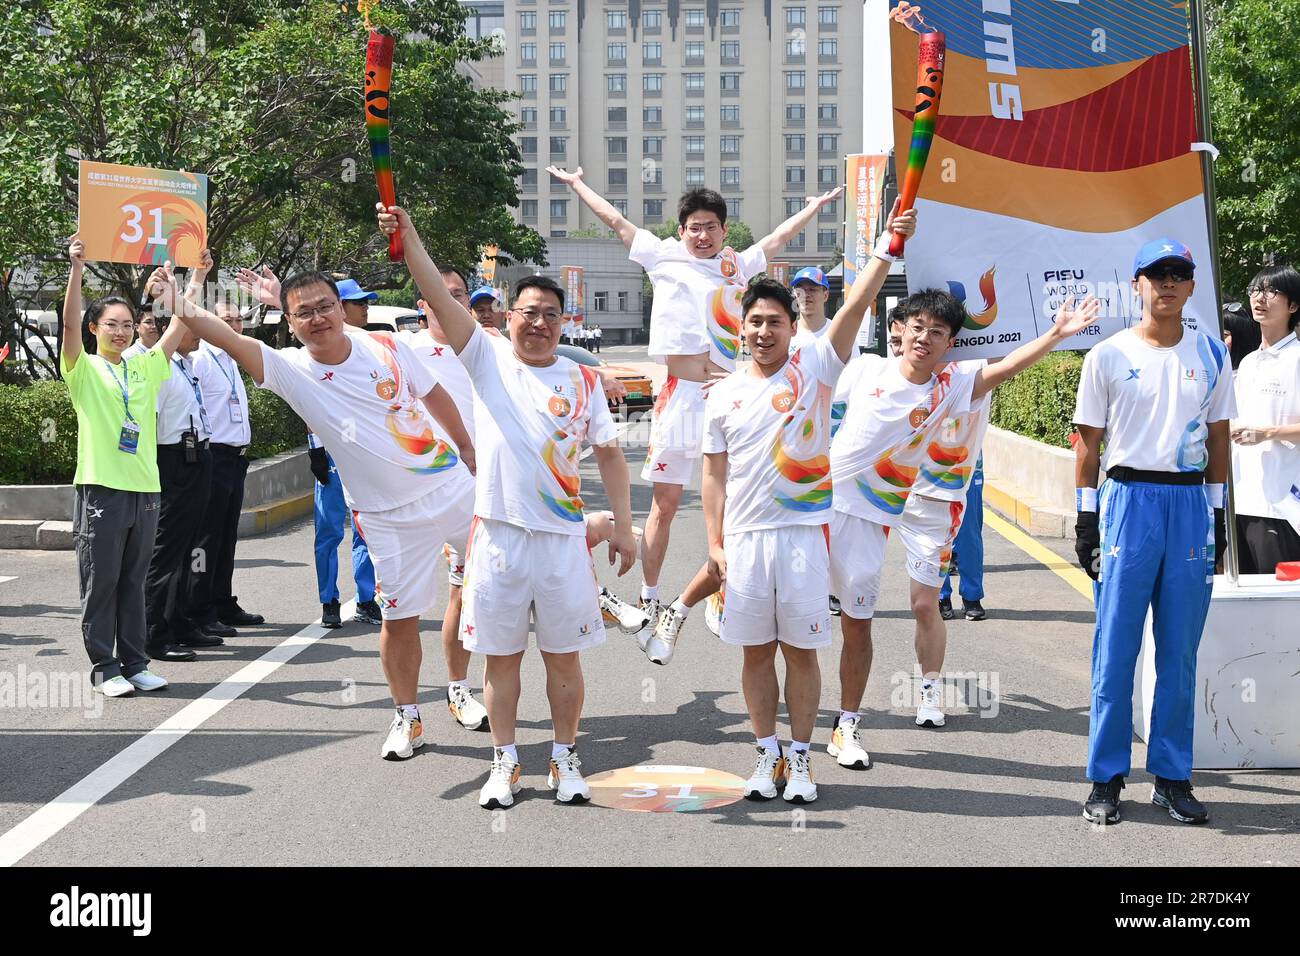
x,y
735,404
1133,373
877,393
437,351
97,512
327,377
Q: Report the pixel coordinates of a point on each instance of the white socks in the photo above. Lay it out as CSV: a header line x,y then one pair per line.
x,y
409,711
680,608
770,743
558,750
649,593
510,749
848,715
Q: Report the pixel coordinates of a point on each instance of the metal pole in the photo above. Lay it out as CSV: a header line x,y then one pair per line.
x,y
1200,75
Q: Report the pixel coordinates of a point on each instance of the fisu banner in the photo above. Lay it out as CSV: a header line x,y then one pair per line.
x,y
1064,142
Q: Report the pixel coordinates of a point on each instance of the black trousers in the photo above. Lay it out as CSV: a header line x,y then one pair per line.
x,y
184,497
210,589
1264,542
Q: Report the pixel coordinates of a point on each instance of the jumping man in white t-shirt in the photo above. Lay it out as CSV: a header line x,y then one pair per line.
x,y
527,554
695,330
391,428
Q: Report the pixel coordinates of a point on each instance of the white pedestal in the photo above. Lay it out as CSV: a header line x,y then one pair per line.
x,y
1247,677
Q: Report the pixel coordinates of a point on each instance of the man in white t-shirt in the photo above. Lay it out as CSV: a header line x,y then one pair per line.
x,y
1160,396
895,467
695,330
528,552
811,290
1266,432
767,495
391,429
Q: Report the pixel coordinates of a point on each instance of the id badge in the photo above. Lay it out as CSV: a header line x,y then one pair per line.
x,y
203,417
236,410
129,440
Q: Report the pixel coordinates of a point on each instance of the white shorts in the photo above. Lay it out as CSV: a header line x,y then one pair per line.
x,y
404,544
676,434
927,528
509,571
857,558
455,564
777,585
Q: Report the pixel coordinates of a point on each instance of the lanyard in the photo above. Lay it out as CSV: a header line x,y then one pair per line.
x,y
194,384
228,377
120,383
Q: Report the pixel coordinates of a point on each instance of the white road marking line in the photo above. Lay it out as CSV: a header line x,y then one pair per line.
x,y
4,578
44,823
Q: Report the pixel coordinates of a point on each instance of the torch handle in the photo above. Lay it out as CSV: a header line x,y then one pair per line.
x,y
931,52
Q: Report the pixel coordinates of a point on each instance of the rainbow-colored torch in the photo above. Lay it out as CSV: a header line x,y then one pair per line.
x,y
931,48
379,79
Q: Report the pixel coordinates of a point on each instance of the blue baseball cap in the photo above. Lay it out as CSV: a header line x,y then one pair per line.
x,y
483,292
810,274
349,291
1162,250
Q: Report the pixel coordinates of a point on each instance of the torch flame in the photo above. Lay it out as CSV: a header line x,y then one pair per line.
x,y
364,7
909,15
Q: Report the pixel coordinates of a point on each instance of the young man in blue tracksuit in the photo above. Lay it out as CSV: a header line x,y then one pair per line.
x,y
968,553
1160,396
332,519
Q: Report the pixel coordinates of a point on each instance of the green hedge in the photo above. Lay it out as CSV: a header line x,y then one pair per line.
x,y
1039,402
38,445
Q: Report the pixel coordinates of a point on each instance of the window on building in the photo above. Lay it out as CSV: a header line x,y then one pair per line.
x,y
652,174
794,175
652,19
730,82
828,80
618,177
796,244
826,238
796,46
733,208
796,17
616,19
795,80
616,145
730,175
794,143
792,206
828,143
652,145
600,302
828,111
694,81
528,52
695,114
559,116
730,17
528,21
695,18
559,82
695,51
528,145
652,115
828,46
652,52
558,19
529,209
828,175
830,212
559,145
617,114
794,112
695,175
622,301
694,144
558,52
616,52
559,208
527,82
529,179
652,82
730,50
730,145
828,16
620,205
652,210
730,114
616,82
528,116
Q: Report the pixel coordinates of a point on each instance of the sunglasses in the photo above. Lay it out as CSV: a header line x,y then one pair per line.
x,y
1167,273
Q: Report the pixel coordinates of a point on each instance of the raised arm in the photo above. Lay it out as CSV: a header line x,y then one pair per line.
x,y
457,324
597,203
264,286
70,317
444,411
245,350
779,237
1069,321
199,276
844,326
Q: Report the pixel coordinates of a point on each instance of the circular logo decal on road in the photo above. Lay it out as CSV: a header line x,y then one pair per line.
x,y
665,789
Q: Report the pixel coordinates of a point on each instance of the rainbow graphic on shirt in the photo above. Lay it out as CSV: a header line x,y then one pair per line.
x,y
408,423
945,469
560,452
801,447
724,322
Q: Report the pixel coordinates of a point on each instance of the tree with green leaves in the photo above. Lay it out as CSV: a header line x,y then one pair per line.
x,y
1253,49
265,97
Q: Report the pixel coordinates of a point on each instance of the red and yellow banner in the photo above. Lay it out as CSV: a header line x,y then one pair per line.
x,y
142,216
865,183
779,271
1063,144
573,287
488,266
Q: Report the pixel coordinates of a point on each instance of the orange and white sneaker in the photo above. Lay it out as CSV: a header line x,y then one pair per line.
x,y
618,613
405,737
768,775
565,779
651,608
799,786
713,610
467,712
502,783
846,745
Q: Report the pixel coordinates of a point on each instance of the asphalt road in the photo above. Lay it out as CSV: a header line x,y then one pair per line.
x,y
288,772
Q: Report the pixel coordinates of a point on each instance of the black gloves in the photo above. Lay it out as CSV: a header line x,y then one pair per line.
x,y
1220,540
320,464
1087,543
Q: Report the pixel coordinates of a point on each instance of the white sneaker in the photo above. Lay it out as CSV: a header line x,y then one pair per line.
x,y
713,613
663,642
650,607
622,615
565,779
846,745
405,737
117,686
147,681
799,786
929,713
769,773
468,712
502,783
